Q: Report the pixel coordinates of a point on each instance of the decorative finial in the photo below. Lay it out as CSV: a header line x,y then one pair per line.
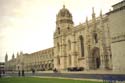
x,y
101,13
13,56
93,13
93,10
63,6
6,54
86,19
6,57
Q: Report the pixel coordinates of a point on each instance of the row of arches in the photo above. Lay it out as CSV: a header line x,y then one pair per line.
x,y
95,59
95,53
45,66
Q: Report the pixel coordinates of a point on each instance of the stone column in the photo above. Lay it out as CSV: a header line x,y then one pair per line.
x,y
103,55
63,53
88,46
74,54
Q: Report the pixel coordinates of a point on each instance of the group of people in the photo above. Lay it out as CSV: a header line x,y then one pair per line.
x,y
19,73
23,73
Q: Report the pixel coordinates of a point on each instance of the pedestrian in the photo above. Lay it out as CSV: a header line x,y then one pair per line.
x,y
23,73
0,74
33,71
19,73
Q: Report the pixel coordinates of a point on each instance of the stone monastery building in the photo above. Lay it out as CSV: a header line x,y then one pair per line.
x,y
98,43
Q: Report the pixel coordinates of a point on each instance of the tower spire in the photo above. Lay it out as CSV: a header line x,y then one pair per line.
x,y
93,19
93,12
93,9
101,13
63,6
13,56
87,20
6,57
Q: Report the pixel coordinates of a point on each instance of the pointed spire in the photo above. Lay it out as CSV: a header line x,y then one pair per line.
x,y
101,13
6,57
94,19
93,10
93,13
6,54
13,56
86,19
63,6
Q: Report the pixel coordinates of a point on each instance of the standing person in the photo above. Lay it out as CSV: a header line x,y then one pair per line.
x,y
23,73
0,73
19,73
33,71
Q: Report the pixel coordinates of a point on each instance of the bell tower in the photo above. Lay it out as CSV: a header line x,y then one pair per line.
x,y
63,20
64,24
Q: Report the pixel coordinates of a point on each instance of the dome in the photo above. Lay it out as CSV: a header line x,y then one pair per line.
x,y
64,12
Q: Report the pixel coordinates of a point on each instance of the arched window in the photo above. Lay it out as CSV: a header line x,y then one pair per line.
x,y
81,45
95,37
68,27
69,45
70,62
58,60
58,47
58,30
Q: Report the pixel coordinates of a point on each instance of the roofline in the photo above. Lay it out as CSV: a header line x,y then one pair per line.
x,y
122,8
118,3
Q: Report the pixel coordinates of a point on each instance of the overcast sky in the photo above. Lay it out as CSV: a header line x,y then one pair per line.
x,y
28,25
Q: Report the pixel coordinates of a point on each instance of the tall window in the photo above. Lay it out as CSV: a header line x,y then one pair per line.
x,y
58,60
81,46
70,60
69,45
95,37
58,30
58,47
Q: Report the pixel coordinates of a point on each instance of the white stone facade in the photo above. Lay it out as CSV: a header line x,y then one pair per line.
x,y
40,61
117,31
90,45
98,43
86,45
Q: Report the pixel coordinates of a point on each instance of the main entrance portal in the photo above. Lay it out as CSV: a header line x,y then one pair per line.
x,y
96,58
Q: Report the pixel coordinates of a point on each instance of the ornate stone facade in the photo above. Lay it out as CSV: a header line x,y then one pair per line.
x,y
41,60
98,43
86,45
